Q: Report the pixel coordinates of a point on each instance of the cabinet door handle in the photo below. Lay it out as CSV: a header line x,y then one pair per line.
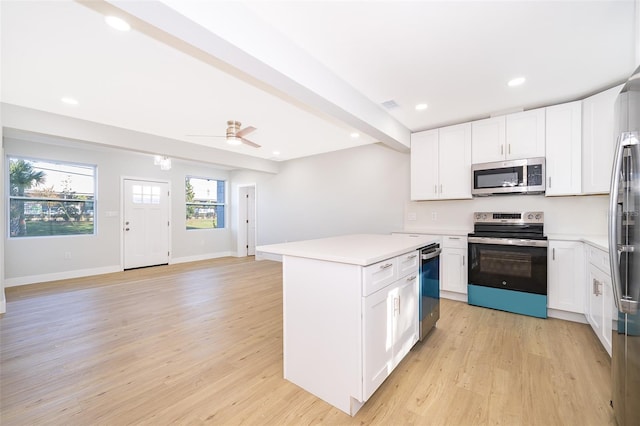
x,y
509,149
396,305
549,181
413,256
462,260
412,278
501,149
453,238
553,253
386,266
435,188
440,188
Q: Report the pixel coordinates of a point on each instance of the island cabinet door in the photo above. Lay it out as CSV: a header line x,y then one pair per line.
x,y
378,327
406,327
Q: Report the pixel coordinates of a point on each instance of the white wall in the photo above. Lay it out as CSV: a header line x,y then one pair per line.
x,y
29,260
357,190
637,40
583,215
3,300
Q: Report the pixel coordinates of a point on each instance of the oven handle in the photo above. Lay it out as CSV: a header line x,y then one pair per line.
x,y
508,242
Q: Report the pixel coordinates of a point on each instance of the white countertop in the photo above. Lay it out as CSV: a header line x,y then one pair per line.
x,y
597,241
358,249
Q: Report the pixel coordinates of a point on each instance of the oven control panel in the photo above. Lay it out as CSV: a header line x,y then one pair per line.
x,y
511,218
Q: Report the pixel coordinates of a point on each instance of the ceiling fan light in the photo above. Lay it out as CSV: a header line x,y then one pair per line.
x,y
232,140
165,164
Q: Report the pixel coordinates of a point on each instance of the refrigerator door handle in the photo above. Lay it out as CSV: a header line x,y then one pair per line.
x,y
623,302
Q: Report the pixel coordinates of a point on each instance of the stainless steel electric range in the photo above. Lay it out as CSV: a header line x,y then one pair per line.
x,y
508,262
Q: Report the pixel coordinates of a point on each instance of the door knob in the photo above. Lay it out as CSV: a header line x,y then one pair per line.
x,y
126,229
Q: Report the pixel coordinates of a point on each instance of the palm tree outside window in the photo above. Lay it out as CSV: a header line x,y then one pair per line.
x,y
50,198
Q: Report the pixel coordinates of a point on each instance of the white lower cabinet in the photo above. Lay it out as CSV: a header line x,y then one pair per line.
x,y
565,275
347,326
390,323
453,266
600,308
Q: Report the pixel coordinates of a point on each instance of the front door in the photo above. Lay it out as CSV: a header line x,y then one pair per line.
x,y
146,223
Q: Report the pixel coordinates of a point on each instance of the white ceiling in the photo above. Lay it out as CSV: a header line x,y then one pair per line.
x,y
454,56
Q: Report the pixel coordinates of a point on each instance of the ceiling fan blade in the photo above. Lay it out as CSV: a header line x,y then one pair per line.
x,y
207,136
248,142
245,131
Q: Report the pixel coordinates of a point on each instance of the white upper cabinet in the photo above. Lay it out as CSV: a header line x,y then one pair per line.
x,y
454,161
488,140
509,137
563,148
424,165
525,134
598,141
441,163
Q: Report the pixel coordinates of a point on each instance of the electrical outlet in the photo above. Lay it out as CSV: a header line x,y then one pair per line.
x,y
67,255
411,216
434,215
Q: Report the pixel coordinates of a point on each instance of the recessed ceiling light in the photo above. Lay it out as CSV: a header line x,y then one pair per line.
x,y
117,23
421,107
516,81
69,101
355,135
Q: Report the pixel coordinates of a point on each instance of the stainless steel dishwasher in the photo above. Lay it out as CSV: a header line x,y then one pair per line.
x,y
429,309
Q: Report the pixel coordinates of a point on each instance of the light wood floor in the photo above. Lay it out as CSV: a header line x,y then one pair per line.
x,y
202,343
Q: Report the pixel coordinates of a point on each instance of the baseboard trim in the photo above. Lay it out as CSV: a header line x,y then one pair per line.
x,y
268,256
567,316
35,279
452,295
199,257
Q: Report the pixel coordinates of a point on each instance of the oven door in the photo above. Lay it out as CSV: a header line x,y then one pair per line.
x,y
510,264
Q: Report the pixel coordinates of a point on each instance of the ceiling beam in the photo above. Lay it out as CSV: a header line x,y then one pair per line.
x,y
17,118
230,36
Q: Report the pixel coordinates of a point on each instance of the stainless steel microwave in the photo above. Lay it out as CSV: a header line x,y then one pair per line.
x,y
509,177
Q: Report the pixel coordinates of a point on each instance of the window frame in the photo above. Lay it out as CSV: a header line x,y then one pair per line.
x,y
9,196
224,204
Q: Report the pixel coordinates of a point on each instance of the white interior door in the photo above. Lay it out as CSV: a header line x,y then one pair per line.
x,y
146,223
247,221
251,221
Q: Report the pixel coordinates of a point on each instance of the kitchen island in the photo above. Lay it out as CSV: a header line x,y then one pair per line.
x,y
350,312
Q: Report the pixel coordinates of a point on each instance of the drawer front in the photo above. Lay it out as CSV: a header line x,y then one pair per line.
x,y
454,241
379,275
408,263
600,259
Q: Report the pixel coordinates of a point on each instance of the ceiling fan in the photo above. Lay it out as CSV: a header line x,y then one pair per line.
x,y
235,135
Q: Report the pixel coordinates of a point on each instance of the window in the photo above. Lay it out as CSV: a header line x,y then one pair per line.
x,y
145,194
205,200
50,198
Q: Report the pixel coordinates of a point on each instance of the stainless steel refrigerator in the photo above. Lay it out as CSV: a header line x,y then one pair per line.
x,y
624,252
